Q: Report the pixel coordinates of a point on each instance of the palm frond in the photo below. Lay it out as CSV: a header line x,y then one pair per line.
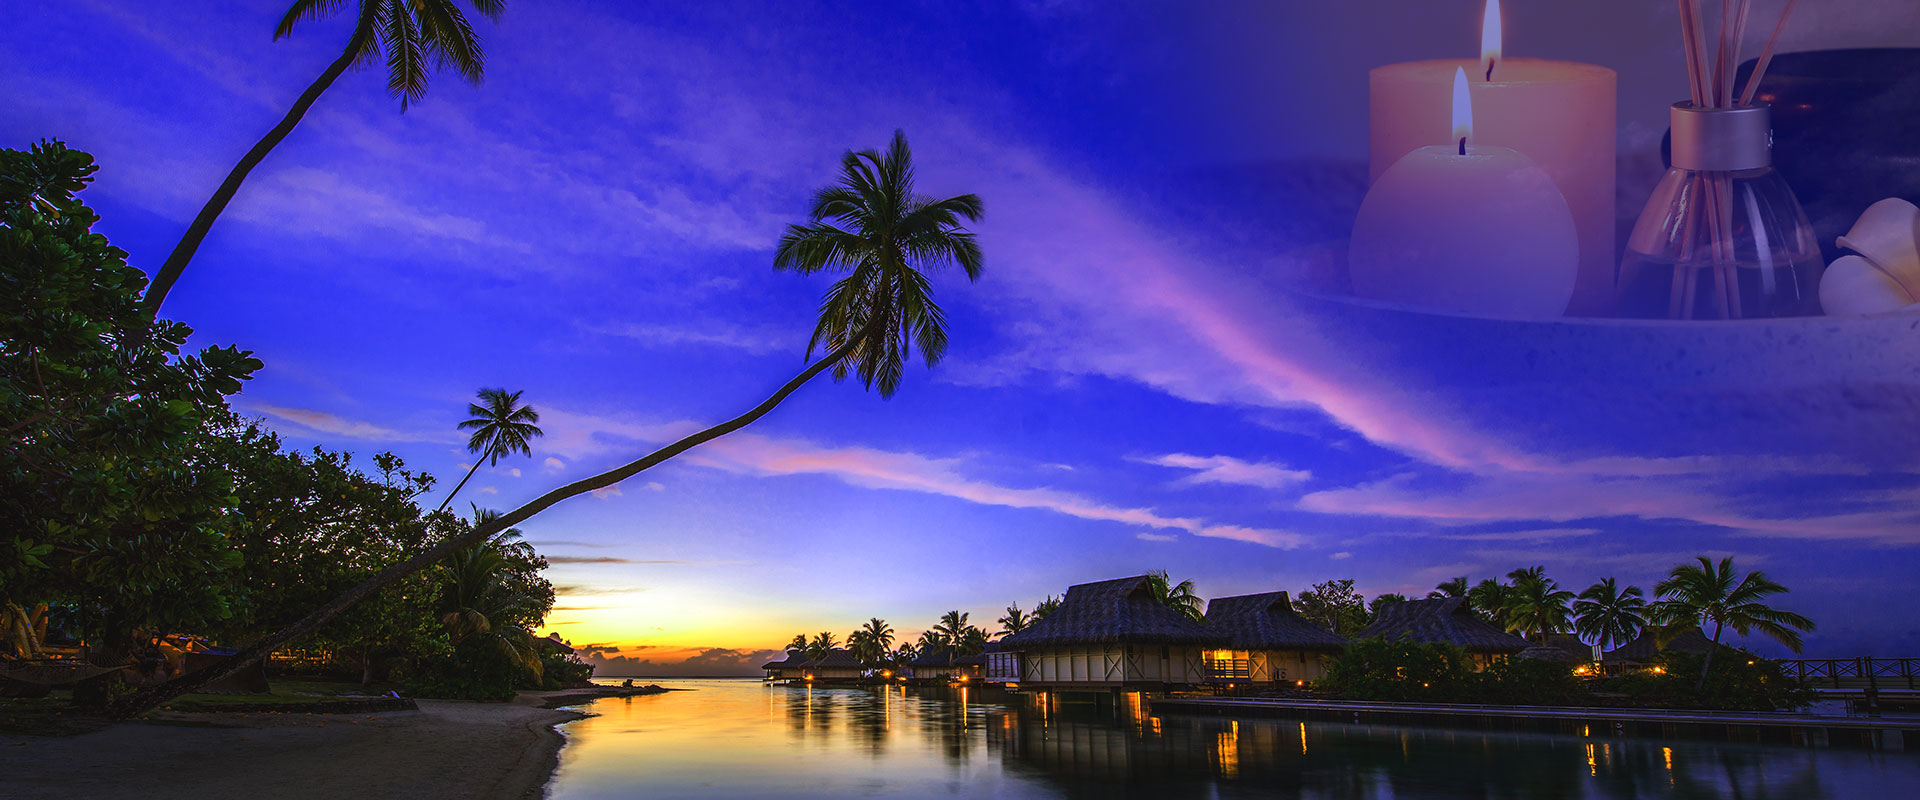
x,y
305,11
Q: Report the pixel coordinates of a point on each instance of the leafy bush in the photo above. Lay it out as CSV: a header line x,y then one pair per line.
x,y
559,671
1529,681
1403,671
473,671
1738,681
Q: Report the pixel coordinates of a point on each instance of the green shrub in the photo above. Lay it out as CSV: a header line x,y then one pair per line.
x,y
1403,671
1529,681
473,671
1738,681
559,671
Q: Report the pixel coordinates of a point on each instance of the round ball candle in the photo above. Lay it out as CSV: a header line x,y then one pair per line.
x,y
1560,114
1471,228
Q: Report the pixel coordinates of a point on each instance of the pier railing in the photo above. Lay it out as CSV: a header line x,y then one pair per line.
x,y
1228,669
1864,672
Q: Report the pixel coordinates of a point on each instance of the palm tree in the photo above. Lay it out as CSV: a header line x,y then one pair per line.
x,y
1452,587
1047,606
1709,594
880,632
972,641
1537,606
893,234
822,644
1177,596
500,428
1015,621
930,641
477,606
799,642
1607,616
414,35
952,630
1489,597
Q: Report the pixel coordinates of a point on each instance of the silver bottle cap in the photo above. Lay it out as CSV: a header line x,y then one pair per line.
x,y
1722,139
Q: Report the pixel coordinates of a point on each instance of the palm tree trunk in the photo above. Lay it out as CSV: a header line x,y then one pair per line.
x,y
456,487
197,232
1701,685
151,698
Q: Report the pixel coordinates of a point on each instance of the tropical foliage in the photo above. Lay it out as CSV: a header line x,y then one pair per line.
x,y
501,426
1335,606
1607,616
1015,621
1536,605
1180,596
1714,595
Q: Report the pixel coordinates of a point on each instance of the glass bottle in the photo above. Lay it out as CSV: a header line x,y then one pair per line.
x,y
1723,236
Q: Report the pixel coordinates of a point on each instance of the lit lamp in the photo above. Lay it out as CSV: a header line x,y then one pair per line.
x,y
1466,227
1561,114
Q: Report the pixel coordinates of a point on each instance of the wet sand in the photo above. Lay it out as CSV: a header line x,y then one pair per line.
x,y
446,749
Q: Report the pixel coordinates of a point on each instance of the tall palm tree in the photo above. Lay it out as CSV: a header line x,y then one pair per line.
x,y
1178,596
1710,593
952,627
1607,616
1537,606
500,428
1452,587
1015,621
880,631
1489,597
889,231
415,36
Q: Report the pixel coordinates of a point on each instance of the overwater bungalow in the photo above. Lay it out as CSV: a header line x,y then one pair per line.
x,y
1638,654
789,668
1267,642
1106,635
1446,620
839,665
942,666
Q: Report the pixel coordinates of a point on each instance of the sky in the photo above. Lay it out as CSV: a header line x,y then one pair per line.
x,y
1136,383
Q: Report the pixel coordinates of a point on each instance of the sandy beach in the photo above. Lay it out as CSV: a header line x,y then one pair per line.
x,y
445,750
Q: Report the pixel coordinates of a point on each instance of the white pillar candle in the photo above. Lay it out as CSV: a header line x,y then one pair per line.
x,y
1466,227
1561,114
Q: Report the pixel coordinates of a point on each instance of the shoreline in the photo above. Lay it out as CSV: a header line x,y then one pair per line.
x,y
446,749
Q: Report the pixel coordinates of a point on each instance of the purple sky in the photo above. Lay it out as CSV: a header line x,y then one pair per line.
x,y
1132,386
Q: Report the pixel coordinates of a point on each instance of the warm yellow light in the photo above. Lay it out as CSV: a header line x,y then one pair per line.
x,y
1299,683
886,673
1490,39
1462,109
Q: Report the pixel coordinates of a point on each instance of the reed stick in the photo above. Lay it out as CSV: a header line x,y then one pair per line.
x,y
1766,56
1690,31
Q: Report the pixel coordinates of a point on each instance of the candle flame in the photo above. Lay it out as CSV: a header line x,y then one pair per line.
x,y
1462,108
1490,38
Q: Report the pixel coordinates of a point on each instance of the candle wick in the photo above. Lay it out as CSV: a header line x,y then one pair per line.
x,y
1490,63
1463,145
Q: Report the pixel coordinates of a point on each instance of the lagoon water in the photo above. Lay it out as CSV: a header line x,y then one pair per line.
x,y
738,738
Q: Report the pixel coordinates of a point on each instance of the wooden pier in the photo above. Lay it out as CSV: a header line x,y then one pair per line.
x,y
1879,733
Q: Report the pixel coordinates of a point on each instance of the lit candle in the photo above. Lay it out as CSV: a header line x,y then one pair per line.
x,y
1560,114
1466,227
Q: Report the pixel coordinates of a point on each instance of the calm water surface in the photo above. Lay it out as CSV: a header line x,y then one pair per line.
x,y
742,739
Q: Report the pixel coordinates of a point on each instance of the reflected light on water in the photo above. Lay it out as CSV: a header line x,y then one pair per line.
x,y
733,739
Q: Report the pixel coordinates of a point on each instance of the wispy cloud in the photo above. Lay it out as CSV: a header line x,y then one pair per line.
x,y
1230,470
336,425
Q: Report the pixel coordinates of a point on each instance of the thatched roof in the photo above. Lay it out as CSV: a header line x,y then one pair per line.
x,y
794,659
930,659
1446,620
1267,621
1647,645
1121,611
1577,652
838,657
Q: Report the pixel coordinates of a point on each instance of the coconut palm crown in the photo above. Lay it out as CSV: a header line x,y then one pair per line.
x,y
1536,605
875,229
1607,616
1711,594
501,426
1177,596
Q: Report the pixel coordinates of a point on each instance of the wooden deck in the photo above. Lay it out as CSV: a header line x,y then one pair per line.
x,y
1887,733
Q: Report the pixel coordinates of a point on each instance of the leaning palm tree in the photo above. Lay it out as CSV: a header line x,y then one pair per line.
x,y
1178,596
415,36
1015,621
500,428
1710,593
1607,616
1537,606
872,226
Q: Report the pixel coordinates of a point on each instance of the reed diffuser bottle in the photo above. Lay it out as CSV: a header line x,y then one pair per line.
x,y
1723,236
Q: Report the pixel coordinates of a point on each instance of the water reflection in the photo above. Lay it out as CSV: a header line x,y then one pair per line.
x,y
739,739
